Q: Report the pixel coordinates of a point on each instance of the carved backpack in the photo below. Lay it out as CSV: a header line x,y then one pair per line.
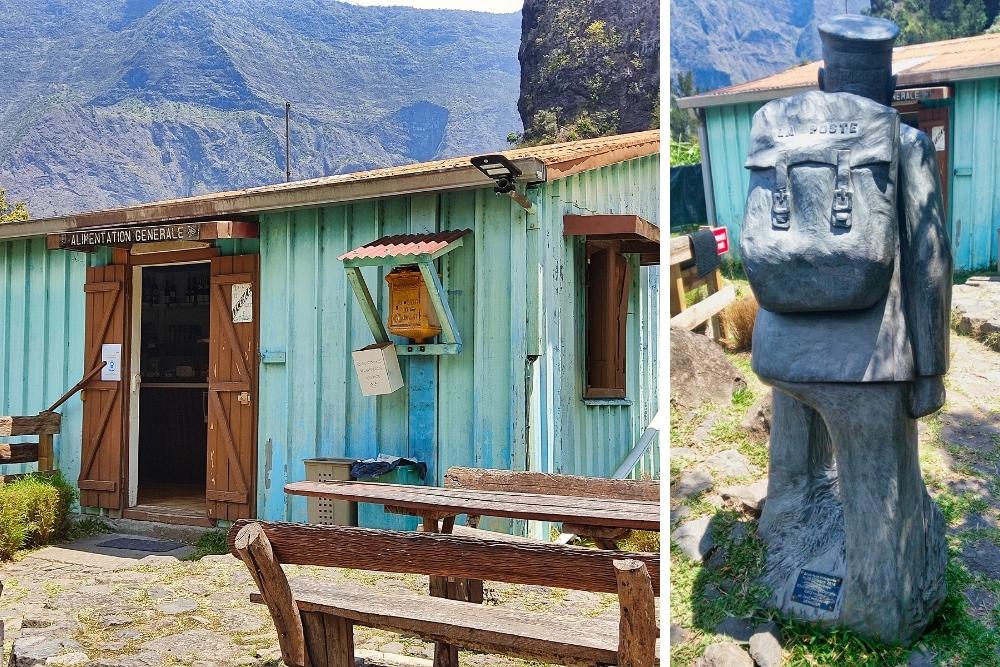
x,y
820,228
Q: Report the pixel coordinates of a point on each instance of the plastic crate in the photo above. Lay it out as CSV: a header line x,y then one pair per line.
x,y
327,512
375,516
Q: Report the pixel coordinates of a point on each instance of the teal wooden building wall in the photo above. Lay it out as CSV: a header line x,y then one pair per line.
x,y
973,181
511,399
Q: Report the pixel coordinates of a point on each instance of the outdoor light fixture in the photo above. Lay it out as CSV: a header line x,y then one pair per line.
x,y
504,174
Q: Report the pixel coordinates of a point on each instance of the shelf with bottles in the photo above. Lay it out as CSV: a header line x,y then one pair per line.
x,y
176,293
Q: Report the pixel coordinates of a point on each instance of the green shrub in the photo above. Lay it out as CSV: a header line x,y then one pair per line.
x,y
34,510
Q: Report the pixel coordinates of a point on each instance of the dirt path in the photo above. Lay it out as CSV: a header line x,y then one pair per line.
x,y
715,561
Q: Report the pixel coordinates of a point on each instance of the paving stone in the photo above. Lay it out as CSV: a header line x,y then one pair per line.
x,y
765,645
111,620
749,497
678,635
156,560
739,532
683,454
75,658
691,483
920,657
678,514
703,433
31,650
159,592
984,557
729,463
738,629
192,644
725,654
758,418
178,606
694,538
242,621
393,647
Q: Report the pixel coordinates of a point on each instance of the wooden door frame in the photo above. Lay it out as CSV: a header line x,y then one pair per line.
x,y
130,446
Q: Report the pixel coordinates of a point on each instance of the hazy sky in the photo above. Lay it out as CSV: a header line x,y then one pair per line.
x,y
498,6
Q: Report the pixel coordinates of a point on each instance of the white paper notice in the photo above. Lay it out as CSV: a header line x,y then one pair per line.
x,y
242,303
937,136
112,353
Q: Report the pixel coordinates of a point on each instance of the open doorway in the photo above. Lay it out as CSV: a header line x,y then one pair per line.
x,y
173,360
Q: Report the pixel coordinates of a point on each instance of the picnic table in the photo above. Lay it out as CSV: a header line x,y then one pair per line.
x,y
591,517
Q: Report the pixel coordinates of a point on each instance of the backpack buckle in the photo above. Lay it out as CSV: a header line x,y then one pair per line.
x,y
779,209
842,201
843,197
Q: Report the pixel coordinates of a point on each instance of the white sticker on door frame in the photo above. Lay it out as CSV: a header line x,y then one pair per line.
x,y
242,303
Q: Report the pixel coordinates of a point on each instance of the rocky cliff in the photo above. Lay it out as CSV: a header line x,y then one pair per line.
x,y
588,67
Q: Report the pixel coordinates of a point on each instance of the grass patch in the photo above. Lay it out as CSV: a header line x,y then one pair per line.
x,y
211,543
956,507
86,526
34,510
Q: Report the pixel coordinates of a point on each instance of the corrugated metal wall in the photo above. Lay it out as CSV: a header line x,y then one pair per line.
x,y
728,129
975,199
511,399
41,340
514,289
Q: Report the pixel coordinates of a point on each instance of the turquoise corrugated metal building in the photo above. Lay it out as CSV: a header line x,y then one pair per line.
x,y
513,398
949,89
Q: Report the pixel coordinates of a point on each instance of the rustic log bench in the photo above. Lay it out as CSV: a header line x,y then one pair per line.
x,y
315,624
558,485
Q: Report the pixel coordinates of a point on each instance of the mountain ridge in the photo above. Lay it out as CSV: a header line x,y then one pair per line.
x,y
118,102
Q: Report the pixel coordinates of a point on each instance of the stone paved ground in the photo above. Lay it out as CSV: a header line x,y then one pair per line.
x,y
716,459
71,607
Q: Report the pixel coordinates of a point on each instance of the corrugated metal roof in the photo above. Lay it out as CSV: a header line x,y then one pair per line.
x,y
537,162
918,64
405,244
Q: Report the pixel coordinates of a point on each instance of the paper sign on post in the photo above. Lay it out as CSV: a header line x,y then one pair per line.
x,y
112,354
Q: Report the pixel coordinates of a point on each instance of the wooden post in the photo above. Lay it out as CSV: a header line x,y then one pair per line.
x,y
677,293
45,462
445,655
255,550
714,285
637,631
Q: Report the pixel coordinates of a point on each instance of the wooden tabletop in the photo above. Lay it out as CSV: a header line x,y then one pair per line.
x,y
439,501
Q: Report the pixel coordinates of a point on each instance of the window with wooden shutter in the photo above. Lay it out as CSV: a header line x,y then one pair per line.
x,y
607,283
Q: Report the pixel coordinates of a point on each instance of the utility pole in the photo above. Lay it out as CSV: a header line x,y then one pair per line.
x,y
288,164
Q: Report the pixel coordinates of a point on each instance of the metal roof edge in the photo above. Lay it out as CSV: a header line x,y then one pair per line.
x,y
307,194
707,100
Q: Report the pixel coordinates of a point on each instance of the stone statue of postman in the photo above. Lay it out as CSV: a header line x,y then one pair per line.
x,y
845,248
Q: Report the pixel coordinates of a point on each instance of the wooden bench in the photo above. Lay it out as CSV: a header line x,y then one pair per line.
x,y
315,622
549,484
684,278
44,425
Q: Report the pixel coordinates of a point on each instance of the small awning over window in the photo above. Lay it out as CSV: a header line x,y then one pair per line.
x,y
637,235
404,248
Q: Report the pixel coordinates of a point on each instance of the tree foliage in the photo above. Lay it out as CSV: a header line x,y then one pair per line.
x,y
684,152
12,211
683,126
921,21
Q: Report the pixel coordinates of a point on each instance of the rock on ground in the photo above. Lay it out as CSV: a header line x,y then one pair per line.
x,y
729,463
700,371
694,538
737,629
725,654
32,650
691,483
758,418
749,497
765,645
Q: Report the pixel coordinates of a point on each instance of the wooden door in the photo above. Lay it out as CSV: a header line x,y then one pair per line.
x,y
104,402
232,388
935,124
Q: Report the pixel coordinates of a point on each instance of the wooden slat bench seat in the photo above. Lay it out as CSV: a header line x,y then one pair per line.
x,y
315,620
490,629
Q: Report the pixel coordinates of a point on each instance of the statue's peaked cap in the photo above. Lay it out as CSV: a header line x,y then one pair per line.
x,y
854,33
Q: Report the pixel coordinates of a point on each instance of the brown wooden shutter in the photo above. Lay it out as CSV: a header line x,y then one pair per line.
x,y
606,312
232,393
927,120
104,403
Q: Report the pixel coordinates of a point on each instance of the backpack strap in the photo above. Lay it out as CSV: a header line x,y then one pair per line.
x,y
779,198
842,194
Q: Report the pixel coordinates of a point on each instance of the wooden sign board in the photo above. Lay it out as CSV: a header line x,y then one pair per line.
x,y
916,95
88,239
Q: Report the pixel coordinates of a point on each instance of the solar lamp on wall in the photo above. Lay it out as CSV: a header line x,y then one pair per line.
x,y
504,174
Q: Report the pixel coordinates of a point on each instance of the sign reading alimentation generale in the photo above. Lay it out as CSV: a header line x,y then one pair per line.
x,y
128,235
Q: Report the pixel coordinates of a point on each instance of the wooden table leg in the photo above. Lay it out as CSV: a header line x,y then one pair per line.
x,y
445,655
